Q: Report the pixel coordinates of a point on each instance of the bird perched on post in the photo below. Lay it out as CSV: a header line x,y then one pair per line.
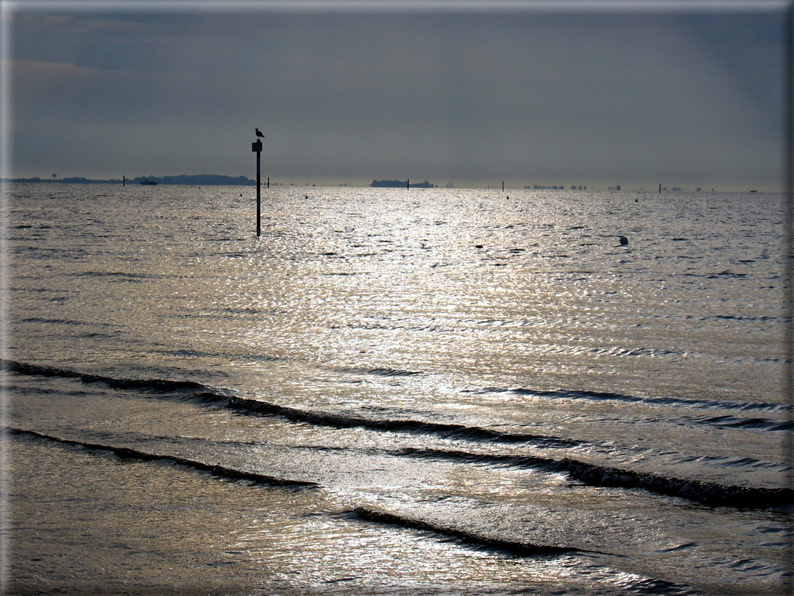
x,y
259,133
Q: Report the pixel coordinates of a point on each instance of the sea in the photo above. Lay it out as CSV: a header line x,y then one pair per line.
x,y
395,391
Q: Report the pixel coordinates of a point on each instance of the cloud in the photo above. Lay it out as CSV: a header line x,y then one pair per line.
x,y
528,97
41,74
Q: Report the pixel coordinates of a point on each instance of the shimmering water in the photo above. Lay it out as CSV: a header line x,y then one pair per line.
x,y
422,391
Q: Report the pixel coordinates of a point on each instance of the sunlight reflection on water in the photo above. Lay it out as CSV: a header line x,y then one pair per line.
x,y
522,318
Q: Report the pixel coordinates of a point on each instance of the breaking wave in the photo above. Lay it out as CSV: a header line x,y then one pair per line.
x,y
708,493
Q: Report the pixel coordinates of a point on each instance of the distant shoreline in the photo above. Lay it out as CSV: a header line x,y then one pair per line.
x,y
197,180
219,180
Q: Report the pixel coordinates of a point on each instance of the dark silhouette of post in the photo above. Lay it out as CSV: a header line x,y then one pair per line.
x,y
407,184
660,188
257,146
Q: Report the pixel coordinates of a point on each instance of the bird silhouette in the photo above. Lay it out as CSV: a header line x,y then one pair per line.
x,y
259,133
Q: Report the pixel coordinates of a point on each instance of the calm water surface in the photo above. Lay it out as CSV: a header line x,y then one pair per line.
x,y
391,391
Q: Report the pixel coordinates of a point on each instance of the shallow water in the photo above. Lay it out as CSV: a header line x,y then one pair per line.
x,y
483,391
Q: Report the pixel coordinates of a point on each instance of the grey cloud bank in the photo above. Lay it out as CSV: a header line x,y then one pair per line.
x,y
529,98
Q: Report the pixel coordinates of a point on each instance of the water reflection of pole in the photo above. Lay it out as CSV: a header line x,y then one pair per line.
x,y
257,146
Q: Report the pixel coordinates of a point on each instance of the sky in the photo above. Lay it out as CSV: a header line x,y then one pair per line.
x,y
553,93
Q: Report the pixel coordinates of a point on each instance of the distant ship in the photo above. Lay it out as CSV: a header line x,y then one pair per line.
x,y
148,182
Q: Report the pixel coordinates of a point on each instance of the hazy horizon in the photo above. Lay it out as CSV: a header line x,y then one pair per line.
x,y
538,94
451,184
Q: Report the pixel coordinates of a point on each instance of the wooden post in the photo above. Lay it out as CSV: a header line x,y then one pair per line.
x,y
268,181
257,146
660,188
258,198
407,184
503,185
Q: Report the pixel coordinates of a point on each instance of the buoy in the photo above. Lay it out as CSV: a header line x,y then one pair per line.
x,y
624,241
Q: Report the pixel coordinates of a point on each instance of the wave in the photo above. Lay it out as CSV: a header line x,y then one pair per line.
x,y
610,396
712,494
523,549
449,431
64,322
380,371
707,493
135,454
762,318
720,421
223,398
752,423
397,327
159,385
362,513
118,275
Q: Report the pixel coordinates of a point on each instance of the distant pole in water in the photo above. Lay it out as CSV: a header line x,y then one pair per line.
x,y
256,146
407,184
124,181
660,188
268,181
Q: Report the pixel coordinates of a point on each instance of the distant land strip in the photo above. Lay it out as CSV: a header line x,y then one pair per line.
x,y
400,184
196,179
